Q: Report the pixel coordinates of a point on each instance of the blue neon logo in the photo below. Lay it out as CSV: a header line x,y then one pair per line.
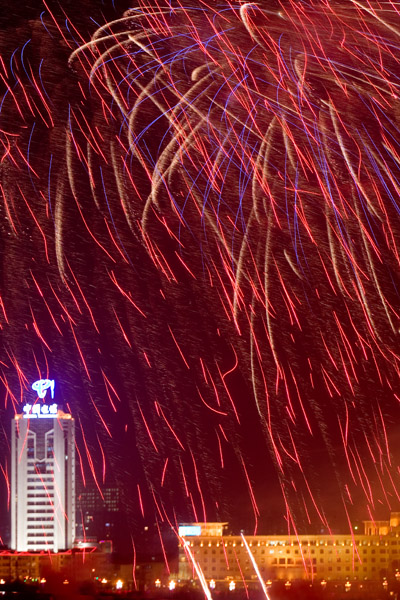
x,y
42,385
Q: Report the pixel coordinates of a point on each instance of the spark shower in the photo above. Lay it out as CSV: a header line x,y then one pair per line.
x,y
200,230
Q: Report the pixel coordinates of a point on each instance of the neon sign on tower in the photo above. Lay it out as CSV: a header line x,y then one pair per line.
x,y
42,385
41,411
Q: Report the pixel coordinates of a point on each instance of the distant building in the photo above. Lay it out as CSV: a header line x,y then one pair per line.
x,y
42,477
225,558
98,514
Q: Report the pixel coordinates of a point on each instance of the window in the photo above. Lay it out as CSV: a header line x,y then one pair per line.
x,y
50,448
31,447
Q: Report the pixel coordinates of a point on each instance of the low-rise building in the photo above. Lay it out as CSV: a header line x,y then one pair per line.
x,y
222,558
74,565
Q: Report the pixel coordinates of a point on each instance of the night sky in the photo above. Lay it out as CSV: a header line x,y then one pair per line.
x,y
199,239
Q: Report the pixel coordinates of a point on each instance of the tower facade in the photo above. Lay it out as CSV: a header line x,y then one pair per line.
x,y
42,476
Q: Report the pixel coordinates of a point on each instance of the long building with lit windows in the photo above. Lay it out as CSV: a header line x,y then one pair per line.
x,y
42,476
224,558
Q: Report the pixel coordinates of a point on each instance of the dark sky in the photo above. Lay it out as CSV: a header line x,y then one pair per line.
x,y
199,241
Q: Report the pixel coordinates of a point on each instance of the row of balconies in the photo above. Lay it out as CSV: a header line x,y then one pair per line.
x,y
288,543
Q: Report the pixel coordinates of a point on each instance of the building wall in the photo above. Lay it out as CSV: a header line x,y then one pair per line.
x,y
284,557
14,566
98,515
42,483
74,565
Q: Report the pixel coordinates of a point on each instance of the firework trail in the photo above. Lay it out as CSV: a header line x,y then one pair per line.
x,y
204,217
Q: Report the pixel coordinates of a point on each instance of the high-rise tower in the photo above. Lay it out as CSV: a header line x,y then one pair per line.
x,y
42,475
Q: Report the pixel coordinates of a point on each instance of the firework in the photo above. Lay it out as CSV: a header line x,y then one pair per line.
x,y
213,247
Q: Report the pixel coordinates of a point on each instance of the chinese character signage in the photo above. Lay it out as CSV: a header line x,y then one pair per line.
x,y
40,411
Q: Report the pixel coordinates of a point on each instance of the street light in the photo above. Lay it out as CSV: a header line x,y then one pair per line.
x,y
385,584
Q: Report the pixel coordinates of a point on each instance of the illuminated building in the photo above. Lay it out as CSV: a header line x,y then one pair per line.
x,y
223,558
42,476
73,564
